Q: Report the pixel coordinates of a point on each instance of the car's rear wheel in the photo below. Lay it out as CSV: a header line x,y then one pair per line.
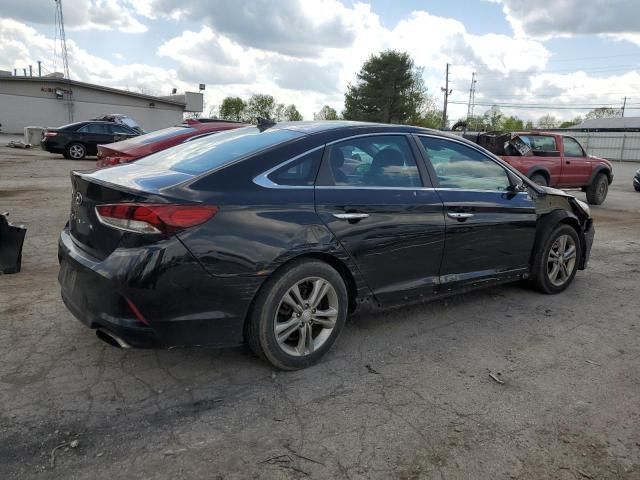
x,y
298,315
597,191
637,187
76,151
556,260
540,179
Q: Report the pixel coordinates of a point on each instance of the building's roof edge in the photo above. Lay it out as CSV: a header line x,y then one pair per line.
x,y
77,83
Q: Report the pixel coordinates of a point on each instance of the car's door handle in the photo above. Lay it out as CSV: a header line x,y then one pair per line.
x,y
351,216
459,215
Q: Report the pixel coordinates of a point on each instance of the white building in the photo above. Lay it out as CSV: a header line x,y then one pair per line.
x,y
52,102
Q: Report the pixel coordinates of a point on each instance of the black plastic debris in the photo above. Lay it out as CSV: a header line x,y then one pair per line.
x,y
11,241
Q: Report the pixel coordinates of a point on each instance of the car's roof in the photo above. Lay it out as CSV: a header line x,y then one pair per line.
x,y
317,126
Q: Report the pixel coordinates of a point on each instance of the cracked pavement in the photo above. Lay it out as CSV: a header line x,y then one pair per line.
x,y
403,394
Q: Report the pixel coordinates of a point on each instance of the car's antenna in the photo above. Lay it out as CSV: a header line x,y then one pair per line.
x,y
264,123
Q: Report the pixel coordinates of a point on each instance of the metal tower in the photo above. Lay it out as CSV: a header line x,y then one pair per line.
x,y
68,95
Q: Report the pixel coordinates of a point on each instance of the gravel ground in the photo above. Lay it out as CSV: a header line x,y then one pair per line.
x,y
404,394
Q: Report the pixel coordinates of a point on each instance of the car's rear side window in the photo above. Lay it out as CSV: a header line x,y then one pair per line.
x,y
299,172
99,128
208,153
544,143
374,161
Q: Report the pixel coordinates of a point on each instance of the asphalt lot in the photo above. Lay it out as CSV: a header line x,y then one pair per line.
x,y
404,394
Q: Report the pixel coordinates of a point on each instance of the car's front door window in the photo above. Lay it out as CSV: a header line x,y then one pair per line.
x,y
461,167
572,148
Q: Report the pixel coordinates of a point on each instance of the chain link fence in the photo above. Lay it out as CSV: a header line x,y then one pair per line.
x,y
618,146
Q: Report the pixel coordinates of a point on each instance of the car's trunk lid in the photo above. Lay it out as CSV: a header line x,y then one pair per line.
x,y
92,189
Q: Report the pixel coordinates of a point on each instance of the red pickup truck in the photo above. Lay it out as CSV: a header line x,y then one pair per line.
x,y
551,159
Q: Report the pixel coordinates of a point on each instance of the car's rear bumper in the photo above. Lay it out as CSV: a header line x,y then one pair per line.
x,y
154,297
51,147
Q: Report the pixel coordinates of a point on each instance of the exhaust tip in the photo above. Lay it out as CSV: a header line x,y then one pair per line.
x,y
111,339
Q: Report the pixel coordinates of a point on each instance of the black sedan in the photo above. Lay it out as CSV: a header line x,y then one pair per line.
x,y
77,140
636,180
273,234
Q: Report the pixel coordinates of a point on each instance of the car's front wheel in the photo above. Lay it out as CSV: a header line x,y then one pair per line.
x,y
76,151
298,315
597,191
556,260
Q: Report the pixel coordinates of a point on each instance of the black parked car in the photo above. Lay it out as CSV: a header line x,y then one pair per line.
x,y
636,180
273,234
77,140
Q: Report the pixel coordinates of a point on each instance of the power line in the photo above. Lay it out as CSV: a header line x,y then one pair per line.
x,y
548,107
575,59
538,104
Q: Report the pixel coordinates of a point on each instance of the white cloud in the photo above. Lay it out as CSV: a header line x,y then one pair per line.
x,y
21,45
294,27
79,14
552,18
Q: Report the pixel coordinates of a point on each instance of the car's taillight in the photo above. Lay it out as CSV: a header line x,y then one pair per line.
x,y
154,218
50,134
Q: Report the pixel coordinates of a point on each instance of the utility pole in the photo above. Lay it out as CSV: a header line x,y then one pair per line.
x,y
39,68
447,92
472,95
624,105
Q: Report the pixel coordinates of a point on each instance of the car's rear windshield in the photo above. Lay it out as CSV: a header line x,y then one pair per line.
x,y
206,153
71,126
160,135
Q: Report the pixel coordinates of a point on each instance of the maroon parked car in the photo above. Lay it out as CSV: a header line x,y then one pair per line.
x,y
134,148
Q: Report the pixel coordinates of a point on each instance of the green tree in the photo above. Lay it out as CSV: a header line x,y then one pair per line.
x,y
264,106
476,123
528,125
570,123
512,124
233,108
493,118
603,112
388,89
431,118
292,114
547,121
326,113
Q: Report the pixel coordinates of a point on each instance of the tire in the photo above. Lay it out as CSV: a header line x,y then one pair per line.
x,y
540,179
597,191
75,151
271,312
637,187
548,274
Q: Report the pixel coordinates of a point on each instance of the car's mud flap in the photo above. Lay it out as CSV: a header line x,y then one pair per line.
x,y
11,241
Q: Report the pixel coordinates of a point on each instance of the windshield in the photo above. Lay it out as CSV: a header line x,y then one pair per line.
x,y
213,151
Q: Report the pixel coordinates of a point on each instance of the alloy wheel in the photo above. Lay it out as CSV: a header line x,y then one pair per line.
x,y
76,151
561,260
306,316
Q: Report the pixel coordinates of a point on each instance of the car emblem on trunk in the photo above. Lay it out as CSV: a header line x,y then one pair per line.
x,y
78,198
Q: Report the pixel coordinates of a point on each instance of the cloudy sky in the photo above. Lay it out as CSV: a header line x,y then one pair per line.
x,y
563,56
